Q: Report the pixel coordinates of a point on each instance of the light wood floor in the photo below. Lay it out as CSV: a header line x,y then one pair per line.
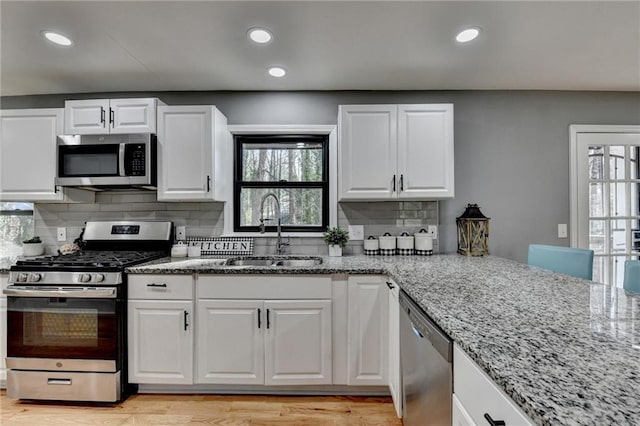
x,y
206,410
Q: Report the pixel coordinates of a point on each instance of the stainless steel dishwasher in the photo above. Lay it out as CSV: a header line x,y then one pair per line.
x,y
426,361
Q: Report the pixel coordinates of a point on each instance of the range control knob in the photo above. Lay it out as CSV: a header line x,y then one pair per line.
x,y
22,277
99,278
84,278
35,277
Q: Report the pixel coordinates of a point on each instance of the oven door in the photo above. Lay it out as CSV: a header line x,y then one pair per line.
x,y
63,323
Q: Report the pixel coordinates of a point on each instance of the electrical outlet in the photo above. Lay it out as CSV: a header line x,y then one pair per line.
x,y
62,234
433,230
181,233
356,232
562,230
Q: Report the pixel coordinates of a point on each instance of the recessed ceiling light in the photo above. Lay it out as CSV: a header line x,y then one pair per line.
x,y
277,72
260,35
467,35
57,38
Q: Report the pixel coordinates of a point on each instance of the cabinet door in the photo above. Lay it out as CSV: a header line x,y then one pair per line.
x,y
298,342
132,115
3,332
160,341
367,152
368,327
425,151
28,154
230,345
86,117
394,347
185,159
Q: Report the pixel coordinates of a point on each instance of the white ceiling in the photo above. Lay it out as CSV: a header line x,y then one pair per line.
x,y
360,45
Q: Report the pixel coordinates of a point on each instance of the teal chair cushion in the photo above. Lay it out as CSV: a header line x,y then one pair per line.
x,y
576,262
632,275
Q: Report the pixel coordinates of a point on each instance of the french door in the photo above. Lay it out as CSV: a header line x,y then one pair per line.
x,y
605,194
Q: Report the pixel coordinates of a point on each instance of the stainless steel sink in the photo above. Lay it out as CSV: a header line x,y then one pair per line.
x,y
275,261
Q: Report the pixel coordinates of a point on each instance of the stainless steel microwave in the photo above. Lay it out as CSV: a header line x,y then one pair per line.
x,y
107,161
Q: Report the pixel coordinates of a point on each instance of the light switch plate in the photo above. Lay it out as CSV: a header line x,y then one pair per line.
x,y
433,230
562,230
181,233
62,234
356,232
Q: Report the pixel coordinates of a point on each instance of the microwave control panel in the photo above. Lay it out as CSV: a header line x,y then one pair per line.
x,y
135,160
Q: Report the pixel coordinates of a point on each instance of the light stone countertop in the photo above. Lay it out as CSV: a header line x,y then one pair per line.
x,y
566,350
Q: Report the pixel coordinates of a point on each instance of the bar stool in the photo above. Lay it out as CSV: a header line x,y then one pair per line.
x,y
631,275
576,262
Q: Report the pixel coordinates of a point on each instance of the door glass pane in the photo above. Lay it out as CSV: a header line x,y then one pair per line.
x,y
617,270
633,199
599,269
633,166
596,200
616,162
618,198
596,162
596,235
298,206
618,239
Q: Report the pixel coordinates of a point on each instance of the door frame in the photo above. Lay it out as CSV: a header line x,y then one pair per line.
x,y
574,131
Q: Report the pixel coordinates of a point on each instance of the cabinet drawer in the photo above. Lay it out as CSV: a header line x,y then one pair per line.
x,y
264,287
161,287
478,394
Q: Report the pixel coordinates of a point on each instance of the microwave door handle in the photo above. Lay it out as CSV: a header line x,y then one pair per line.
x,y
121,151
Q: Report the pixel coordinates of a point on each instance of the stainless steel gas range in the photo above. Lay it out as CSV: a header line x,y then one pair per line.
x,y
66,315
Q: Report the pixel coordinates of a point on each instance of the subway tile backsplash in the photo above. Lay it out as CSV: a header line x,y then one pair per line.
x,y
206,219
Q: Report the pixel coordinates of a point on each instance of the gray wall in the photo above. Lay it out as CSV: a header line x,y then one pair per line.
x,y
511,147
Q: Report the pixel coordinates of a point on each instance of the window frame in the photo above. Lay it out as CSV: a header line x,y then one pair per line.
x,y
238,184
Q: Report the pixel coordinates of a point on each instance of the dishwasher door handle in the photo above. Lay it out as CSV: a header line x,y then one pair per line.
x,y
417,332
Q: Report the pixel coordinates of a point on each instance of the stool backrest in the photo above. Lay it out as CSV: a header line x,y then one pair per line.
x,y
632,275
576,262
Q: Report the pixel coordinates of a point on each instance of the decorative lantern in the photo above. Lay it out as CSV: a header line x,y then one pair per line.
x,y
473,232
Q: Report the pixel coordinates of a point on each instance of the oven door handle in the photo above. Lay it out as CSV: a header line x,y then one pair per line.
x,y
80,293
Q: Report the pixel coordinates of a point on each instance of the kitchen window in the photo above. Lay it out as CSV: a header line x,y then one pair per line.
x,y
16,225
293,167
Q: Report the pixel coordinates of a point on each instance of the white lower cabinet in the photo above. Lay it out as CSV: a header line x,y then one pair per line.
x,y
271,342
3,331
238,324
477,399
395,385
160,329
368,328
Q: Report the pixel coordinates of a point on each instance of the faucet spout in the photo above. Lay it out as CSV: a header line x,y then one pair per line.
x,y
279,244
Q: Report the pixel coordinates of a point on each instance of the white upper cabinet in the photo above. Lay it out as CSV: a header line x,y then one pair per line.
x,y
389,152
28,157
104,116
195,156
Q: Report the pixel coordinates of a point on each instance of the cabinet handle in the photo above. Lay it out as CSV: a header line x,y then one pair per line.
x,y
208,183
390,285
259,317
267,318
102,115
494,422
401,183
111,117
186,322
157,285
394,184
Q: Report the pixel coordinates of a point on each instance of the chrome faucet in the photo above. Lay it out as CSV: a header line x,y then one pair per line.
x,y
279,244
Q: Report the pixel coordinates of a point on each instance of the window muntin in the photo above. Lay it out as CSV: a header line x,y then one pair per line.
x,y
295,168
